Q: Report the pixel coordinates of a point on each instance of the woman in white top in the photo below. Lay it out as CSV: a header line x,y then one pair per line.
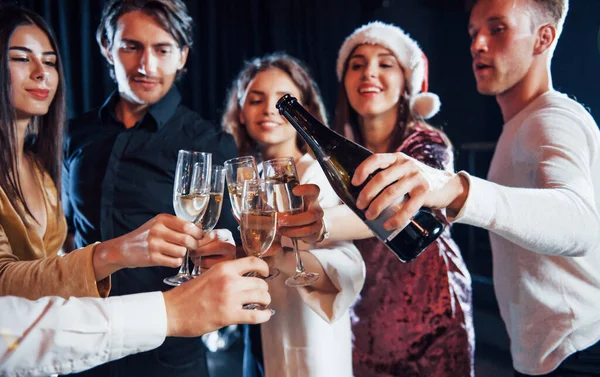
x,y
310,335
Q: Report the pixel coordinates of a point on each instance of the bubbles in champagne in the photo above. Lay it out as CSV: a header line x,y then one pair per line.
x,y
258,231
213,211
190,207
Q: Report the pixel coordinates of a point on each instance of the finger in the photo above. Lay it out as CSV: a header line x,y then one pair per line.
x,y
222,235
180,226
255,296
394,193
164,260
407,211
160,246
248,264
251,317
176,238
309,191
301,219
380,181
302,232
371,164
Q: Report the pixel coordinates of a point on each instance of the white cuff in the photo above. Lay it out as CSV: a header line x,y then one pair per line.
x,y
139,323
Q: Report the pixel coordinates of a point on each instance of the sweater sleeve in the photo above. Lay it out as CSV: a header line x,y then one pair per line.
x,y
70,275
341,261
557,216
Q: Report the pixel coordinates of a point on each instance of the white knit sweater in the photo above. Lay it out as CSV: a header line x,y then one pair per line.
x,y
542,213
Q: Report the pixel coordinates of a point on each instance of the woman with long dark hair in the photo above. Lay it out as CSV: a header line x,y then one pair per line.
x,y
32,225
411,319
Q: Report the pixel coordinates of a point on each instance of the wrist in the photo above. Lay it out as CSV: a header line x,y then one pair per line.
x,y
460,192
324,231
105,260
171,313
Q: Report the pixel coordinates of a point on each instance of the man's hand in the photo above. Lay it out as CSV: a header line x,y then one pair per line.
x,y
402,175
216,246
308,225
161,241
215,298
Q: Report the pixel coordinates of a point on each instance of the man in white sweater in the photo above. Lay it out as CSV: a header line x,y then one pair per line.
x,y
542,197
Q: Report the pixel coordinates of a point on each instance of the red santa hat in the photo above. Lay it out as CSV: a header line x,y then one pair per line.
x,y
423,105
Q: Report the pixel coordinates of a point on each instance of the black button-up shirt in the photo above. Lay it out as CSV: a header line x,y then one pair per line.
x,y
115,179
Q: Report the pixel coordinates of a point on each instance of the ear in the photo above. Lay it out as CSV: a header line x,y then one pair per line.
x,y
183,58
105,50
545,39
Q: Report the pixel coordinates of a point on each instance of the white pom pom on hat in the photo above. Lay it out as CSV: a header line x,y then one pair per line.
x,y
423,105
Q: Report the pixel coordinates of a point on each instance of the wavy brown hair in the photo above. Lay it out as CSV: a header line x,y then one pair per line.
x,y
297,71
44,134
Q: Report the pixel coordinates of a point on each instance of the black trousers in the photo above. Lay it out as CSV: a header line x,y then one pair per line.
x,y
585,363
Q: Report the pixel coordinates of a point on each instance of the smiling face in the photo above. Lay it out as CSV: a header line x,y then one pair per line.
x,y
502,44
259,115
33,72
374,81
146,58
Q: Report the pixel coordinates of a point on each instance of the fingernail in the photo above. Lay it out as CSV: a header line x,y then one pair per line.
x,y
369,214
388,226
359,203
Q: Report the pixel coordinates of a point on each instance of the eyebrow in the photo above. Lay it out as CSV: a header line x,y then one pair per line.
x,y
490,19
25,49
161,44
383,54
260,92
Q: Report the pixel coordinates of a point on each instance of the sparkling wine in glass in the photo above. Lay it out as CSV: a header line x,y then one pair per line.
x,y
213,209
191,192
259,220
237,170
283,170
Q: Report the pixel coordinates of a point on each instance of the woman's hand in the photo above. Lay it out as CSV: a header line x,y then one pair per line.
x,y
161,241
307,226
216,246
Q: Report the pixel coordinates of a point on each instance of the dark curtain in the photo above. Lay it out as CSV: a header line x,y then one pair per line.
x,y
227,32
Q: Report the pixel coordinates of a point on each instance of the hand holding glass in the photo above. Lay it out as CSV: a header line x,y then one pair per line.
x,y
190,197
283,170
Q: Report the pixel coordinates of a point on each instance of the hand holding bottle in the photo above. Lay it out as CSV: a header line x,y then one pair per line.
x,y
401,176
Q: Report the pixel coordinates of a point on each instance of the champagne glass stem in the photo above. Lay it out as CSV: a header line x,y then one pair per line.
x,y
299,265
185,267
196,270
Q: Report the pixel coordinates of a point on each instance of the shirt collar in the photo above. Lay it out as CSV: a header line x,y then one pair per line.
x,y
160,112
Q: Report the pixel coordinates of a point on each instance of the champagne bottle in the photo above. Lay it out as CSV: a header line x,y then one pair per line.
x,y
339,158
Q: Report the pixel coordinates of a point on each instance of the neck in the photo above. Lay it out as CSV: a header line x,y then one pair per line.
x,y
129,113
21,129
378,132
280,150
535,83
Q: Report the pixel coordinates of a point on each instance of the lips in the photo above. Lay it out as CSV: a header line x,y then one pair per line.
x,y
40,94
146,83
269,124
369,90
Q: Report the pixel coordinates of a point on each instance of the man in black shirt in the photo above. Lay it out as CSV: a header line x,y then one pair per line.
x,y
119,161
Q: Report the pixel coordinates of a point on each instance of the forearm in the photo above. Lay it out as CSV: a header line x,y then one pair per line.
x,y
345,225
553,221
70,275
37,340
105,261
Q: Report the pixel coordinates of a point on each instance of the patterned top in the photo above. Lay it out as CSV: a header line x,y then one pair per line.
x,y
415,319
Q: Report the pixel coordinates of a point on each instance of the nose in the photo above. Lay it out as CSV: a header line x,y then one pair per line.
x,y
478,44
148,62
270,103
40,71
371,70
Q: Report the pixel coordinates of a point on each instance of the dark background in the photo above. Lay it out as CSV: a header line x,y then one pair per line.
x,y
227,32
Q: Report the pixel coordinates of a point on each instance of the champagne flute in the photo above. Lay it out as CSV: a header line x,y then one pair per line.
x,y
190,197
237,170
283,170
258,221
213,209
